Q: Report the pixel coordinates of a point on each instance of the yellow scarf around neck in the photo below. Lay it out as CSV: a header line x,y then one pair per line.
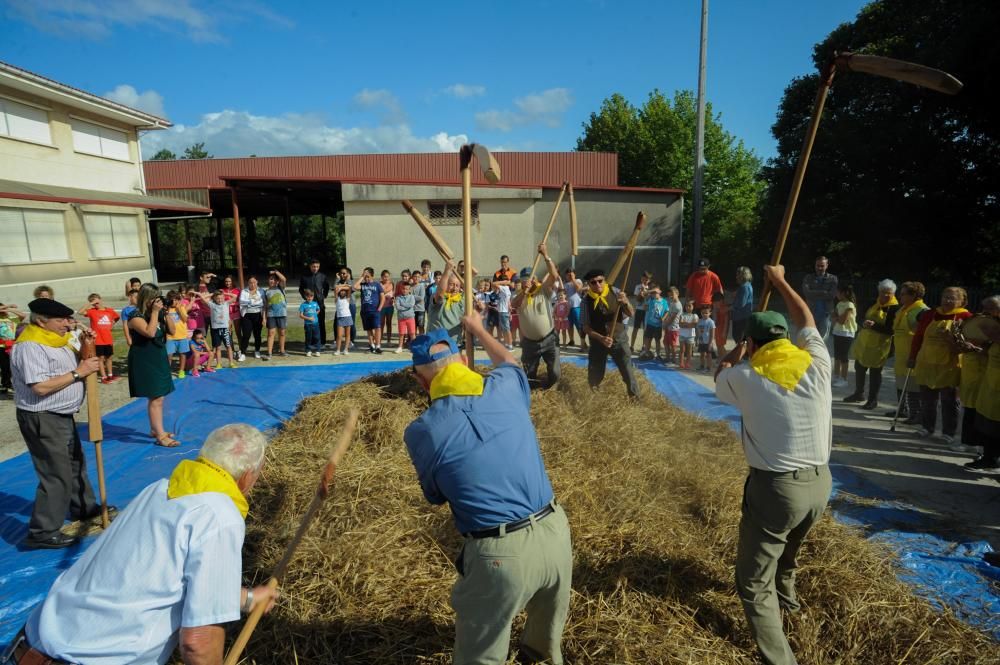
x,y
916,304
201,475
39,335
600,298
873,311
950,312
452,298
531,293
782,362
456,379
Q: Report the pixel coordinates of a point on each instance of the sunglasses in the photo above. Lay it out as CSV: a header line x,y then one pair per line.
x,y
596,280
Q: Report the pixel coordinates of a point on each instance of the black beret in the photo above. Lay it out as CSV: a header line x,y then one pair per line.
x,y
49,307
596,272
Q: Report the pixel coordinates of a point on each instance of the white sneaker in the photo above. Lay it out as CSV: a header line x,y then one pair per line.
x,y
256,355
398,350
961,448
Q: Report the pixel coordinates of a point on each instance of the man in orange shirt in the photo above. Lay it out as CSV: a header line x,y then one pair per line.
x,y
102,322
505,274
702,284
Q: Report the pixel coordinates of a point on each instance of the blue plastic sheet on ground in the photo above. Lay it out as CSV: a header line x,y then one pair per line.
x,y
948,573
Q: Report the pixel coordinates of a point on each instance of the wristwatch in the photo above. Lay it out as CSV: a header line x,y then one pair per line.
x,y
76,375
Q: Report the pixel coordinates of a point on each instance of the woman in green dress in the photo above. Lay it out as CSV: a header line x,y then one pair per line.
x,y
148,369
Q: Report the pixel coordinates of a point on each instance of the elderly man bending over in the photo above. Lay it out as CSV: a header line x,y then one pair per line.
x,y
167,570
475,447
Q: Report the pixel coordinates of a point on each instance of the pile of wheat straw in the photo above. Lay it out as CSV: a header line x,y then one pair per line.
x,y
653,498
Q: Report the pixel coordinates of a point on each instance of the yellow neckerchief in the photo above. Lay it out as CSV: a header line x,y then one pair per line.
x,y
39,335
530,293
201,475
873,311
915,304
600,298
951,312
452,298
456,379
782,362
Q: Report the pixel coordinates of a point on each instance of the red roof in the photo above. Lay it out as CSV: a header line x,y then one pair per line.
x,y
597,170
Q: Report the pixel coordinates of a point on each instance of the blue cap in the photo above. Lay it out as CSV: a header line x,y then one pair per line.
x,y
421,347
525,273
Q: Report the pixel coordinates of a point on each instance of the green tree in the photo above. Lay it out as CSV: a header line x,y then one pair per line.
x,y
196,151
655,145
902,181
163,153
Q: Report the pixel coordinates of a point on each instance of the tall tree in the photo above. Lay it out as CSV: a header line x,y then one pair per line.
x,y
655,145
903,181
196,151
162,154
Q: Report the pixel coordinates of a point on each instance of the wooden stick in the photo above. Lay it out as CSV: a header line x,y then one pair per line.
x,y
470,295
548,229
439,244
618,305
95,429
573,235
640,221
322,491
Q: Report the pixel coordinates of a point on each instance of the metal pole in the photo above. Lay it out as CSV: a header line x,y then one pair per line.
x,y
699,157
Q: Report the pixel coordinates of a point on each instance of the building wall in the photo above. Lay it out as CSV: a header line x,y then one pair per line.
x,y
59,164
78,275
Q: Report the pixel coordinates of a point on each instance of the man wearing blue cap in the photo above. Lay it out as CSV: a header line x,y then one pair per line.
x,y
784,395
539,340
475,448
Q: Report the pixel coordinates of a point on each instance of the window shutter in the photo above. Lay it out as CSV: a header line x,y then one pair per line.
x,y
86,137
14,248
114,144
27,122
126,235
3,119
46,230
99,235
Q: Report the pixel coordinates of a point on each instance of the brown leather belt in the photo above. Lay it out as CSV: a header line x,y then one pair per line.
x,y
24,654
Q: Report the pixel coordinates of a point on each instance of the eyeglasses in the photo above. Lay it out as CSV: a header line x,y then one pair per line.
x,y
596,280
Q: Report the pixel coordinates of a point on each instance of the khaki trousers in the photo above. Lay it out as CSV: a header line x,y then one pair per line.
x,y
778,511
529,569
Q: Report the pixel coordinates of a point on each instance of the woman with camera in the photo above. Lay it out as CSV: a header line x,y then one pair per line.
x,y
148,369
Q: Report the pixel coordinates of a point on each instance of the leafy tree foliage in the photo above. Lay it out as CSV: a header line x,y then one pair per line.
x,y
655,145
196,151
903,181
163,153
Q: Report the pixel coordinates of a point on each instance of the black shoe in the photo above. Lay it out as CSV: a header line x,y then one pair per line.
x,y
914,419
56,541
984,465
378,350
855,397
869,405
892,413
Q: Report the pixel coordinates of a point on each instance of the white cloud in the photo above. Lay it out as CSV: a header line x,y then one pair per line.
x,y
463,91
97,20
239,133
149,101
381,99
545,108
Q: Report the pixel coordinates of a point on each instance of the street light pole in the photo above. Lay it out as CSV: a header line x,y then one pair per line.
x,y
699,158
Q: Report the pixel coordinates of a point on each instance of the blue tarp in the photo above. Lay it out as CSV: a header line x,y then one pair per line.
x,y
949,573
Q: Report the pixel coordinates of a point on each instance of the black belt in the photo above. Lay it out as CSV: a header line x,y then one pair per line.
x,y
514,526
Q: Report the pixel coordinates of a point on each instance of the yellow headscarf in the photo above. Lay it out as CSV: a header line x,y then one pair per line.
x,y
600,298
202,475
782,362
456,379
39,335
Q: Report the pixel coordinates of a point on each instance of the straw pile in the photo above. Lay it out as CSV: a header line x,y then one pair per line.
x,y
653,497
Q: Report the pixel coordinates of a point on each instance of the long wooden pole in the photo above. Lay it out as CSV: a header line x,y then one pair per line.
x,y
435,238
95,427
574,238
633,240
236,232
548,229
618,306
470,340
322,491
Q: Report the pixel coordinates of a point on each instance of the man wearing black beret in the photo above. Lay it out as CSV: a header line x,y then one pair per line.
x,y
604,312
48,390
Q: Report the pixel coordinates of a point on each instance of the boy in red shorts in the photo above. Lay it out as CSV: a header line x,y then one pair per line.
x,y
102,322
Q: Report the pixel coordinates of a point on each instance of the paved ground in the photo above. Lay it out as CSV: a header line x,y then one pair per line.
x,y
918,472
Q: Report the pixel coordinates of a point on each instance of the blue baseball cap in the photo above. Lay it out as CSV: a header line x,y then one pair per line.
x,y
525,273
422,345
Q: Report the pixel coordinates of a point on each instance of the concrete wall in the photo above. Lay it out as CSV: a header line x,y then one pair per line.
x,y
59,164
79,275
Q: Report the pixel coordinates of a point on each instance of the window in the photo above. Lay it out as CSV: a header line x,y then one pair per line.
x,y
449,213
112,236
97,140
21,121
27,236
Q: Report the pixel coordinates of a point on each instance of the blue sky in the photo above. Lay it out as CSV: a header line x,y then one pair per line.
x,y
294,78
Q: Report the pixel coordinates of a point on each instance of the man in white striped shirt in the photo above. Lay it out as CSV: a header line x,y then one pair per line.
x,y
48,390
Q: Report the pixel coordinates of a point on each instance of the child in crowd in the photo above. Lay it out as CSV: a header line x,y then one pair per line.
x,y
656,310
688,322
309,313
501,299
387,308
720,314
233,298
132,284
10,317
515,323
197,312
372,302
641,293
485,297
404,304
219,318
418,287
344,319
102,322
199,357
845,327
672,326
127,313
706,335
560,316
277,313
177,343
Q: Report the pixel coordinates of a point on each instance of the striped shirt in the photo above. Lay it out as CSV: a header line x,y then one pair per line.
x,y
32,363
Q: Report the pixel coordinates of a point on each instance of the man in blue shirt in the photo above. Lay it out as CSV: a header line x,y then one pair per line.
x,y
372,301
475,448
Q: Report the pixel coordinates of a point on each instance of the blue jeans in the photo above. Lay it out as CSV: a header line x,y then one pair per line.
x,y
312,337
